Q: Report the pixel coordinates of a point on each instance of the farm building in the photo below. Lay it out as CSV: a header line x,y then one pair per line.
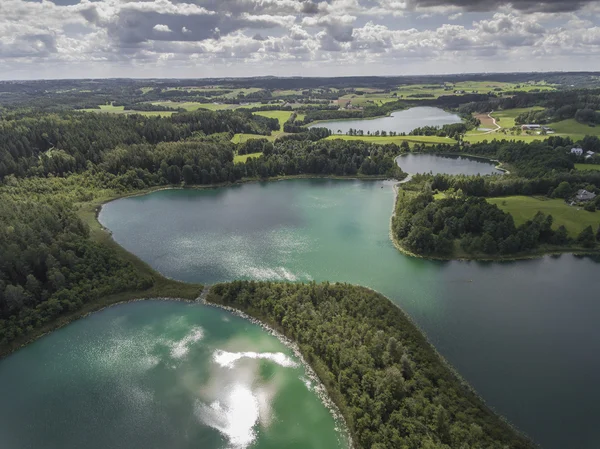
x,y
577,151
583,195
589,154
530,127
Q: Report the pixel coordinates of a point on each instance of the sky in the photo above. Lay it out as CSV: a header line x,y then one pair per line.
x,y
237,38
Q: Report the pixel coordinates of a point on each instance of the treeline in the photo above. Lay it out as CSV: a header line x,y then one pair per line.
x,y
454,131
586,116
369,110
559,105
530,160
495,186
427,226
49,266
204,162
392,388
37,144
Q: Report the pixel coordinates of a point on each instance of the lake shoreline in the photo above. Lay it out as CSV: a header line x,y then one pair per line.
x,y
531,255
315,123
164,287
319,387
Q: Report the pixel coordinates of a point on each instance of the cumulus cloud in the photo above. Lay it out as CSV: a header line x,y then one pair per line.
x,y
521,5
297,34
163,28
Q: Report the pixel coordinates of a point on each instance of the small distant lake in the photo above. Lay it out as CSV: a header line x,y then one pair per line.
x,y
398,121
446,164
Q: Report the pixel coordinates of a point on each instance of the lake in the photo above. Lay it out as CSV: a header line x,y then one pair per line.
x,y
156,375
447,164
398,121
524,334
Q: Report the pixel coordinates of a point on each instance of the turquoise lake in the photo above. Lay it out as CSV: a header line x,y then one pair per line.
x,y
524,334
161,374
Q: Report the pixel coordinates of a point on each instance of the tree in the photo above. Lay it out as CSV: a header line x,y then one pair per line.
x,y
561,236
174,174
563,190
586,238
188,174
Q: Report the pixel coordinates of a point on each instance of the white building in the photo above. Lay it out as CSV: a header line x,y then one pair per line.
x,y
577,151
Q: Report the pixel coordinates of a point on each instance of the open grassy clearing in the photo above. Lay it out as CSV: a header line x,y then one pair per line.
x,y
242,137
587,167
244,157
286,93
233,94
397,139
574,128
432,91
524,208
506,118
194,106
480,137
190,105
281,116
110,109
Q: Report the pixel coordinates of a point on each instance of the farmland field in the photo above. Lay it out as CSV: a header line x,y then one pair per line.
x,y
109,108
194,106
524,208
243,157
575,129
242,137
282,116
587,167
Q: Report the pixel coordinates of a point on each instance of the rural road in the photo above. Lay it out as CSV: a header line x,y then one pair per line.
x,y
498,127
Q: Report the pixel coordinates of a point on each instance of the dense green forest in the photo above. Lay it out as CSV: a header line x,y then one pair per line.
x,y
50,266
424,225
38,144
389,383
463,223
57,165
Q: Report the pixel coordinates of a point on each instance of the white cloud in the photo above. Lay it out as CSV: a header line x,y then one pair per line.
x,y
163,28
134,37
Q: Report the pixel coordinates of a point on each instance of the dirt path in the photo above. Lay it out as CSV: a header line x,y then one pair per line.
x,y
498,127
202,297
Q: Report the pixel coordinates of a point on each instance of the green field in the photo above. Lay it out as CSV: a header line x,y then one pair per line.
x,y
573,128
282,116
506,118
286,93
524,208
233,94
191,105
243,157
109,108
194,106
397,139
241,137
408,92
587,167
478,138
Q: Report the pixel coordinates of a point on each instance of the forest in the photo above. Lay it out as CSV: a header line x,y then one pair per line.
x,y
388,382
427,226
49,264
444,216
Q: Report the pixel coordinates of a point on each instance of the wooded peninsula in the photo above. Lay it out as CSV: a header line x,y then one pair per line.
x,y
65,153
